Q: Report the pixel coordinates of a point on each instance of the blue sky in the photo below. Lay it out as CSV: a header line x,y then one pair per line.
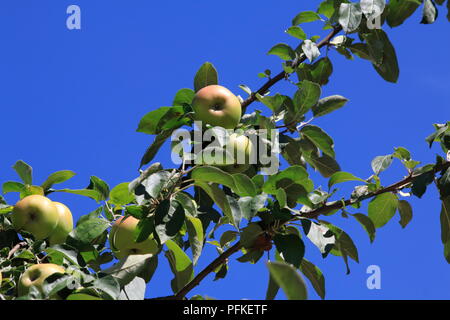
x,y
72,99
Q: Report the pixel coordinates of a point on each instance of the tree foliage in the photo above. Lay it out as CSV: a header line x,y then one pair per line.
x,y
184,208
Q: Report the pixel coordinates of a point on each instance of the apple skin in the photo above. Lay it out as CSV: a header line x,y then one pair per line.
x,y
82,296
64,226
242,148
35,275
35,214
217,106
122,241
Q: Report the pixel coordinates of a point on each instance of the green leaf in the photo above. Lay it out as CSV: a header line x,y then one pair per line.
x,y
310,49
289,176
57,177
120,194
367,224
381,163
288,279
214,175
420,183
153,186
196,236
328,104
305,16
320,236
326,165
249,206
405,211
89,230
382,208
108,285
296,32
326,8
272,288
319,138
321,71
372,8
129,268
291,247
306,97
361,50
227,237
315,276
155,146
283,51
249,234
93,194
388,69
180,265
445,221
244,186
183,96
24,171
342,176
99,185
12,186
429,13
218,196
281,197
272,102
156,121
205,76
400,10
350,16
169,218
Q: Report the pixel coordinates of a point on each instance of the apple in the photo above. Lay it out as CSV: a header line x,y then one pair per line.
x,y
35,214
82,296
64,226
217,106
122,240
242,149
35,276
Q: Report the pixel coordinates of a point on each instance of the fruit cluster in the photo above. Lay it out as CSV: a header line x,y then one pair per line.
x,y
217,106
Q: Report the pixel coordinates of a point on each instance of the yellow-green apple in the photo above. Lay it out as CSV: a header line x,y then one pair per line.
x,y
242,150
217,106
64,226
35,214
35,276
122,238
82,296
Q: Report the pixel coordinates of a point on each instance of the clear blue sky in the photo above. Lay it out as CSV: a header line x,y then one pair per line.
x,y
73,99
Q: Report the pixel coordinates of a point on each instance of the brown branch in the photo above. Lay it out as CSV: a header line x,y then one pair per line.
x,y
311,215
282,75
392,188
15,249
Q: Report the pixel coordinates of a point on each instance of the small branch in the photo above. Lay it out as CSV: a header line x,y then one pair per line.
x,y
282,75
392,188
210,268
17,247
311,215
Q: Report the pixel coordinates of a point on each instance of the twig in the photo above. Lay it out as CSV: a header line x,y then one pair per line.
x,y
282,75
17,247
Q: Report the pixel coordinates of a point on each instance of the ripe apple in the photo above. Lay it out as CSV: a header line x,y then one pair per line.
x,y
35,276
35,214
217,106
242,149
64,226
122,240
